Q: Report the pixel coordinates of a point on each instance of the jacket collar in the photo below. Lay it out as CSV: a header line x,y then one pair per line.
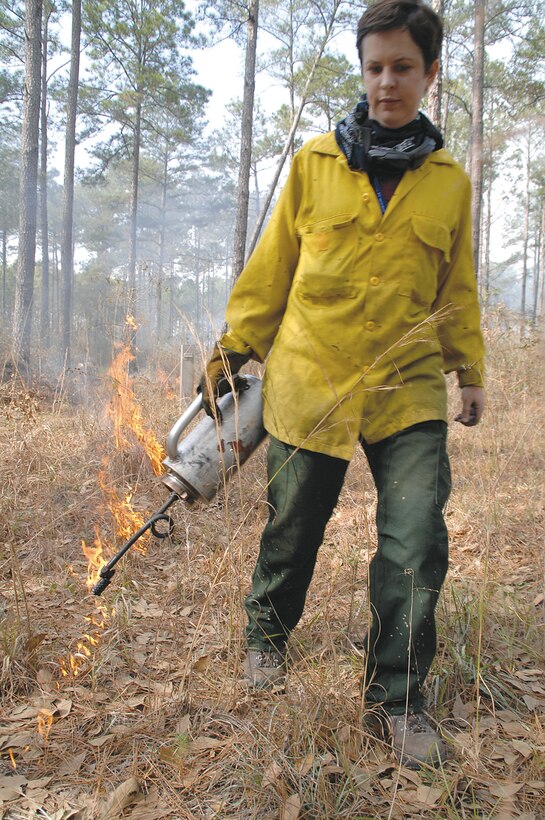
x,y
326,144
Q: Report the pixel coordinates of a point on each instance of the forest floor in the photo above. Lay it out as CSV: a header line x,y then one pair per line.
x,y
131,705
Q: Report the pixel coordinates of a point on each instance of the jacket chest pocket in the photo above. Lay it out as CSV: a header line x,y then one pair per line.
x,y
429,245
326,261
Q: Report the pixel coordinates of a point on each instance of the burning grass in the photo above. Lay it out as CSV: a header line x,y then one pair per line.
x,y
148,719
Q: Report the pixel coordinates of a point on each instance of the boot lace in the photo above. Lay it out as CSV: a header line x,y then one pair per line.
x,y
268,660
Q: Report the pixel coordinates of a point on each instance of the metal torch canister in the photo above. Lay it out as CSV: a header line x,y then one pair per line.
x,y
203,461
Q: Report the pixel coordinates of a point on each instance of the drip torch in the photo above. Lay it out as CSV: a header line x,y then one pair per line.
x,y
199,464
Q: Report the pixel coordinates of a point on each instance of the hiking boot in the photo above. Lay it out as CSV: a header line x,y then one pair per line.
x,y
265,669
415,742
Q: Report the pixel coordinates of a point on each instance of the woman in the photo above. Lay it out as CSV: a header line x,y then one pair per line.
x,y
361,294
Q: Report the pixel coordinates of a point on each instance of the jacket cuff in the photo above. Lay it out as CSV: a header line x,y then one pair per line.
x,y
230,341
471,375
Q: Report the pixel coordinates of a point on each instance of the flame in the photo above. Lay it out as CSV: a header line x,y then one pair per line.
x,y
130,321
126,414
78,662
95,559
12,757
127,519
45,722
127,419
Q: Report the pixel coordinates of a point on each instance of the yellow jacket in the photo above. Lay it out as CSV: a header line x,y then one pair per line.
x,y
361,312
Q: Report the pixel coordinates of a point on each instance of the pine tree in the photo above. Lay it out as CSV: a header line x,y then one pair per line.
x,y
24,291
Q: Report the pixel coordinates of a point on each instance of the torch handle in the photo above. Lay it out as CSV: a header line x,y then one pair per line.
x,y
186,417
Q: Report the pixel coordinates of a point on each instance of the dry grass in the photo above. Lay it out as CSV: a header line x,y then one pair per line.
x,y
155,724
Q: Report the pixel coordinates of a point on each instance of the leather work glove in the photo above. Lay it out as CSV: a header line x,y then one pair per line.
x,y
220,377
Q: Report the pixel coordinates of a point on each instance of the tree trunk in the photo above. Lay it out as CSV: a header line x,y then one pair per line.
x,y
24,288
541,301
293,129
445,106
198,300
291,69
4,271
67,242
537,264
476,134
243,191
485,280
526,232
162,234
133,222
133,205
55,287
436,89
44,302
171,301
540,269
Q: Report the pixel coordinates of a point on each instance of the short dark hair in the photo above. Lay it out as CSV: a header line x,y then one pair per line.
x,y
419,19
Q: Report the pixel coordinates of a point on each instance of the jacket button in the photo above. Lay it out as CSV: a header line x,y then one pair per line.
x,y
370,325
374,280
379,237
365,197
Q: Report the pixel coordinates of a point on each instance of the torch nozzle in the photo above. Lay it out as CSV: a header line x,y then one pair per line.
x,y
107,571
102,583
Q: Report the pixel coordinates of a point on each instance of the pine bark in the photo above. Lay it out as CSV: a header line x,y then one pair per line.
x,y
436,89
133,228
44,301
526,232
133,205
4,270
540,271
476,134
162,237
67,242
243,191
24,288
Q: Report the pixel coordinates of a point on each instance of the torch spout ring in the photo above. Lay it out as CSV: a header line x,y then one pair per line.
x,y
162,533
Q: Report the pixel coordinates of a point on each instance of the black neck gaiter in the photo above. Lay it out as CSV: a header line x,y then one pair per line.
x,y
369,146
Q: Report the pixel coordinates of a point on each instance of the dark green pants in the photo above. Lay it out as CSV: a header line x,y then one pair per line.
x,y
412,475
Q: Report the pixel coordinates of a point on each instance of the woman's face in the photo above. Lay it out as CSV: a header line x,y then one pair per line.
x,y
394,76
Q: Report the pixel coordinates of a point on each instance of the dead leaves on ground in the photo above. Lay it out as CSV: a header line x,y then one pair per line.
x,y
127,718
155,724
425,793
